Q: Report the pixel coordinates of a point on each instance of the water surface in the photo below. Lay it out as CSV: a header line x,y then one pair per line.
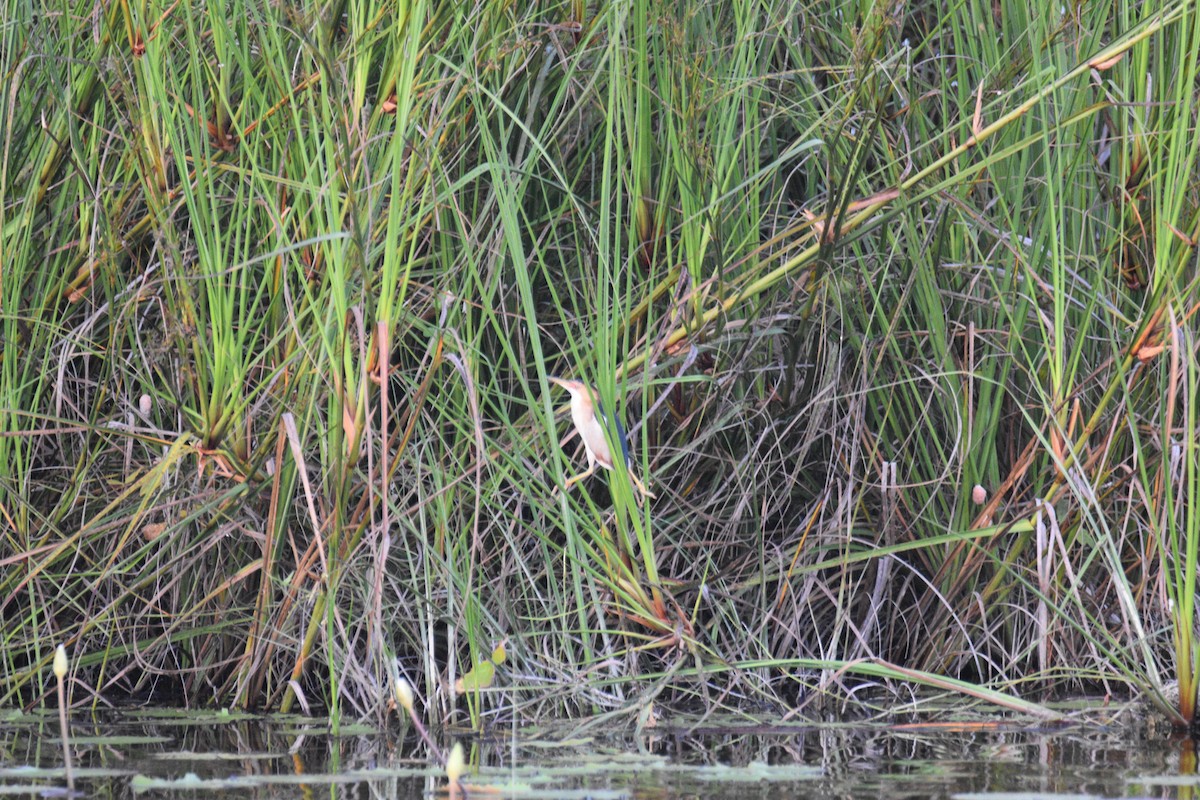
x,y
1108,752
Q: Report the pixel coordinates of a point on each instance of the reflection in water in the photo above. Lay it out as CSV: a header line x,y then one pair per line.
x,y
272,757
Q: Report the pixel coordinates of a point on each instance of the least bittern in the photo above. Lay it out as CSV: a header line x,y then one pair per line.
x,y
592,422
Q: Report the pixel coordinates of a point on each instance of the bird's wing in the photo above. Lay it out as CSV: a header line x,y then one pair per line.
x,y
618,429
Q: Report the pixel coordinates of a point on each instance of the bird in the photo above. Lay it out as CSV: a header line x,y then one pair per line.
x,y
590,420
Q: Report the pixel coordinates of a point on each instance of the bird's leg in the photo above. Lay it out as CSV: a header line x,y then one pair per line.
x,y
640,486
586,473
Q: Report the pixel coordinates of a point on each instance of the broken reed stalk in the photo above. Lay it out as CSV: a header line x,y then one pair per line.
x,y
402,690
60,672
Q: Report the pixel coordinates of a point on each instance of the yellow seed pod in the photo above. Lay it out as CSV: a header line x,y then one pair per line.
x,y
456,764
403,693
60,662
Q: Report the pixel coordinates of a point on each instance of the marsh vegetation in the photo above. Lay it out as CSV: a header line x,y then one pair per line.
x,y
897,301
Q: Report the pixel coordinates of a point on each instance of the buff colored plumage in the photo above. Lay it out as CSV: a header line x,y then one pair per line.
x,y
590,418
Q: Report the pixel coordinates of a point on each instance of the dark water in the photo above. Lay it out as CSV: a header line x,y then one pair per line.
x,y
149,754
